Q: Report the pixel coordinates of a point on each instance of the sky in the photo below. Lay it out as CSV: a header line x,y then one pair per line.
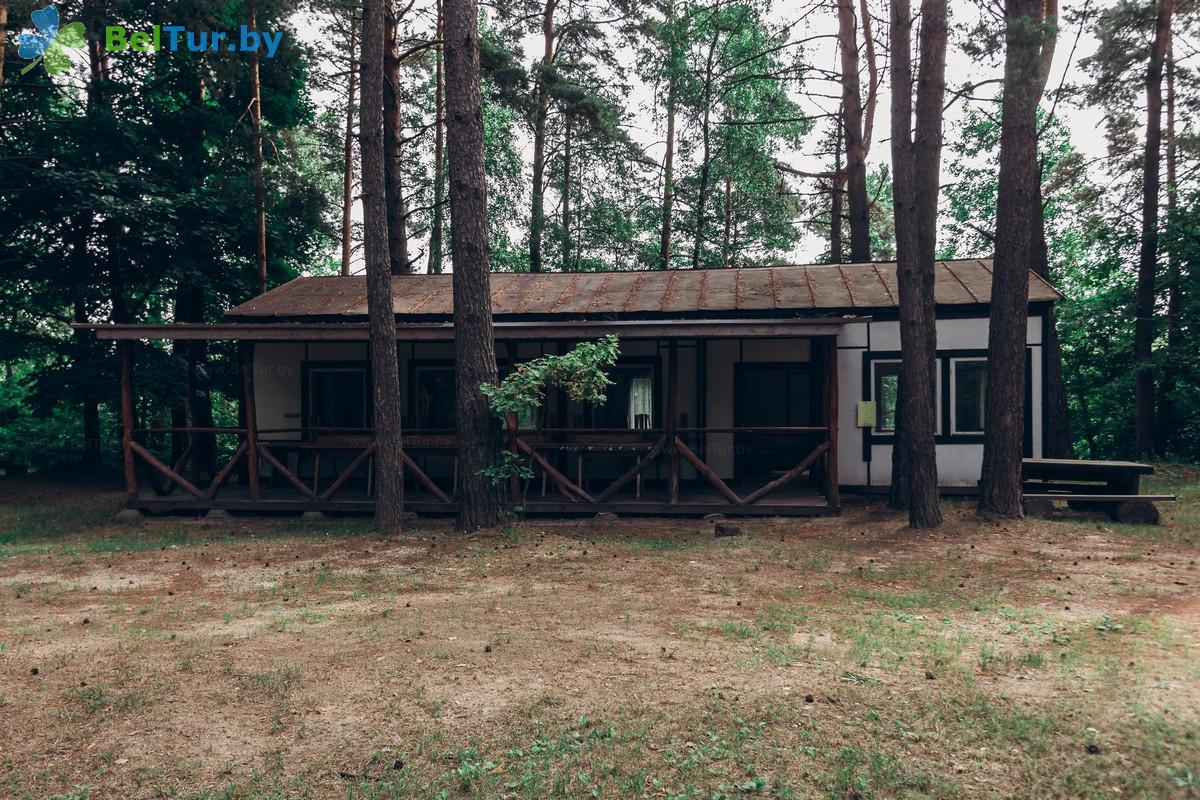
x,y
1074,44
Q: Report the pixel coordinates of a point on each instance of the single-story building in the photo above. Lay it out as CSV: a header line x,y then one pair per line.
x,y
764,390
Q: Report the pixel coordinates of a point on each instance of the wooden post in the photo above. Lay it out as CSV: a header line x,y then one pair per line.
x,y
672,420
131,487
251,419
832,493
514,481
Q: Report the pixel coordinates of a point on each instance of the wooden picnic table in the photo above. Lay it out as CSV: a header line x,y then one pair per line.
x,y
1112,486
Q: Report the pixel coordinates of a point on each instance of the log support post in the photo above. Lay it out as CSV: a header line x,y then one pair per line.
x,y
514,480
127,423
672,420
830,397
251,420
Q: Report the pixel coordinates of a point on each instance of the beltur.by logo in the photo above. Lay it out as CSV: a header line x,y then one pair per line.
x,y
177,37
48,45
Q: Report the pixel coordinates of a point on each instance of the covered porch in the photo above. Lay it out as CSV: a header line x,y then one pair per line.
x,y
725,416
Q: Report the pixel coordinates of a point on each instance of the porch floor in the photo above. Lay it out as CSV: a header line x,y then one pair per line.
x,y
694,500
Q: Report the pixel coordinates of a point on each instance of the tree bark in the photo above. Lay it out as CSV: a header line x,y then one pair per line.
x,y
852,130
348,151
566,197
706,151
260,188
3,37
916,168
726,236
439,149
1017,201
537,221
1175,353
1143,340
664,239
474,346
385,368
397,214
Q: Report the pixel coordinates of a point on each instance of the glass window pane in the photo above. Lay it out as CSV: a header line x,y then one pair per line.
x,y
887,387
435,398
970,391
337,398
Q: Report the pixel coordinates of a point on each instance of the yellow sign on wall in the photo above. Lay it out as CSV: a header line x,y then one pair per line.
x,y
866,414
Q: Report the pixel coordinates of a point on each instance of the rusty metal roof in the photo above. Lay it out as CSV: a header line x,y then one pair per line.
x,y
819,289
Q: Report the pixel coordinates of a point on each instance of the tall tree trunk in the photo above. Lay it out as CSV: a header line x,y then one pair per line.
x,y
537,221
727,234
852,129
260,187
706,152
566,197
1017,200
1057,439
474,346
664,239
348,151
3,38
439,149
668,202
1175,353
385,367
916,163
393,176
1143,340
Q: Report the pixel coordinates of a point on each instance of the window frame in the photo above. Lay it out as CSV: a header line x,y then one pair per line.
x,y
889,433
953,370
307,368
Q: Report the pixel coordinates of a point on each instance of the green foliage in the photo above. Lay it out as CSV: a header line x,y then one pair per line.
x,y
580,373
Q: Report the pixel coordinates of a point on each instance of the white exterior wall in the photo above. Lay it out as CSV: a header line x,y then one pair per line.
x,y
958,463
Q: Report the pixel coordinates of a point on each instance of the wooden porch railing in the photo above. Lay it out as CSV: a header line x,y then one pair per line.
x,y
650,445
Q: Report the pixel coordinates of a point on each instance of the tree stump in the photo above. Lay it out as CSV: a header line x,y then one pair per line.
x,y
722,529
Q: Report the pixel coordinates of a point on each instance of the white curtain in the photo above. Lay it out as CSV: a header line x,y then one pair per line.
x,y
641,402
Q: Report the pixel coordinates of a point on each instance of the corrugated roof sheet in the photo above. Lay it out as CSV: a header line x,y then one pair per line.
x,y
818,288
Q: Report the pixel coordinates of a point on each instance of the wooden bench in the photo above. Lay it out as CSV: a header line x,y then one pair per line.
x,y
1110,486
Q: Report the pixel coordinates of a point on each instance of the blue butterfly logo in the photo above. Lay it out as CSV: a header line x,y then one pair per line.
x,y
47,45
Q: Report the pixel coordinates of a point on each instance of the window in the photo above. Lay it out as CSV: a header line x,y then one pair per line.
x,y
630,400
886,393
433,398
337,397
968,386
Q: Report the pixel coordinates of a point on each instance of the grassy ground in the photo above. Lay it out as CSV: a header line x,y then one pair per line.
x,y
841,658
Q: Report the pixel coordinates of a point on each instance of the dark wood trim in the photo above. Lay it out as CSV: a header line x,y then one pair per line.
x,y
443,331
270,458
127,423
830,391
248,398
706,472
345,475
166,471
642,464
672,420
422,478
219,479
789,476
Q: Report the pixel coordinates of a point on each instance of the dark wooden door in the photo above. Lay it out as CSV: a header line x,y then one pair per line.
x,y
772,396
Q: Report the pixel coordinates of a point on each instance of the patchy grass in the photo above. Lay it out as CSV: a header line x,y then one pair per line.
x,y
841,658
